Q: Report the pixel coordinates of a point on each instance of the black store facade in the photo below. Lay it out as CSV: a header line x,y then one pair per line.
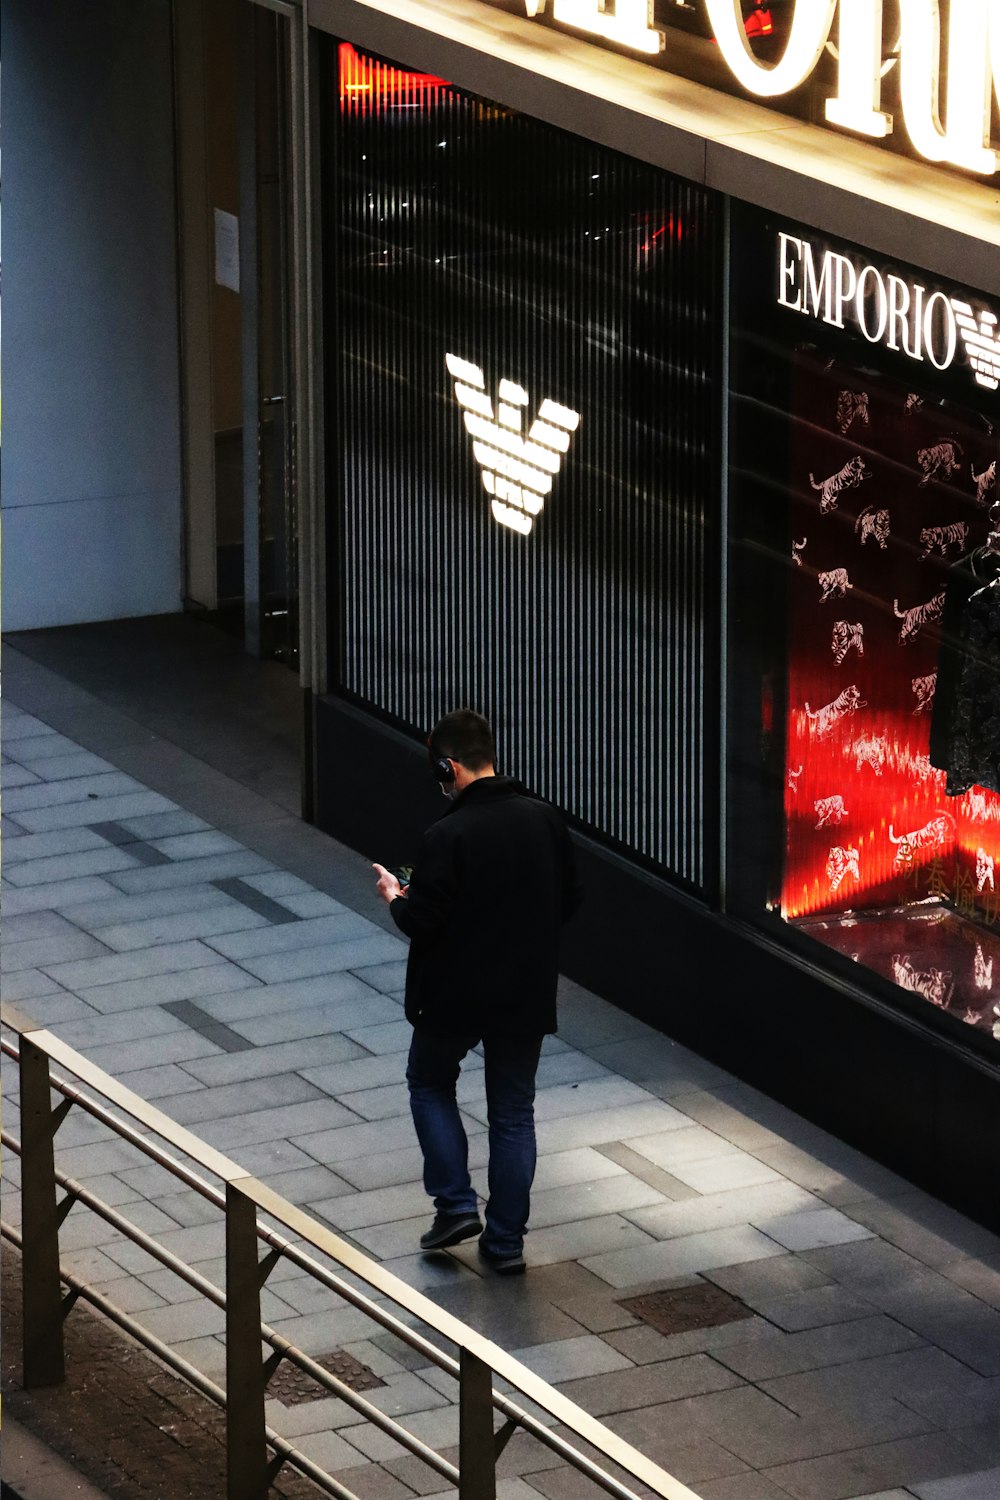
x,y
690,486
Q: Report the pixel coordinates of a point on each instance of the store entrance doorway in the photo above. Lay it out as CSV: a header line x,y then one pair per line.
x,y
241,543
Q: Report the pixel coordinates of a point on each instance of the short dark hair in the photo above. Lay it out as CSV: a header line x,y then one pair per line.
x,y
466,737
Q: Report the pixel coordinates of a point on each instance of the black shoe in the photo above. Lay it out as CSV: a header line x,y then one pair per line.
x,y
450,1229
503,1265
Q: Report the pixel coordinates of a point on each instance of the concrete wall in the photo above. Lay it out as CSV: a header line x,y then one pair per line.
x,y
91,430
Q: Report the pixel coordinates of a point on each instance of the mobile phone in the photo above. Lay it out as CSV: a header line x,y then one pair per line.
x,y
404,874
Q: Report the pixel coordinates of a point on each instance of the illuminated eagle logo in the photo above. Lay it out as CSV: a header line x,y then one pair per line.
x,y
517,470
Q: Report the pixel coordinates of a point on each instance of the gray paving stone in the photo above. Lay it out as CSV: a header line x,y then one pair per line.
x,y
643,1345
389,978
620,1194
350,1141
58,895
157,989
96,810
27,983
188,871
31,954
815,1308
571,1359
984,1485
379,1104
381,1206
814,1228
977,1277
49,794
352,1077
195,844
110,968
926,1229
25,727
769,1278
104,861
296,935
162,1082
841,1475
649,1385
313,1020
950,1318
309,1187
32,846
311,904
121,1059
204,922
12,775
832,1170
74,765
565,1168
837,1344
298,994
871,1267
606,1125
53,1009
326,958
196,1107
602,1237
671,1148
281,1057
120,910
694,1252
906,1376
390,1036
752,1205
163,825
377,1169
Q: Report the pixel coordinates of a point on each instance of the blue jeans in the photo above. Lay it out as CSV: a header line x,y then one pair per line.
x,y
431,1074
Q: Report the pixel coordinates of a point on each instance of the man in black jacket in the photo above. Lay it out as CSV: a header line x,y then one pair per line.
x,y
493,881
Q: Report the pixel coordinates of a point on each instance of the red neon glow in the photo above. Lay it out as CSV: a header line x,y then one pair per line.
x,y
869,823
759,24
368,86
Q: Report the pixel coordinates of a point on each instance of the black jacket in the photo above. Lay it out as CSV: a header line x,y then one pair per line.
x,y
493,881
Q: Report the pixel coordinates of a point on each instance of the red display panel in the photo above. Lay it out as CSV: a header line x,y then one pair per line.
x,y
891,492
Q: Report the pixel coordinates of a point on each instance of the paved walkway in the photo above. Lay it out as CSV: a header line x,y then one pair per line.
x,y
181,928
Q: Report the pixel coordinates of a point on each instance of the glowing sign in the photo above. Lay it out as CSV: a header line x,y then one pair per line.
x,y
969,63
903,316
517,471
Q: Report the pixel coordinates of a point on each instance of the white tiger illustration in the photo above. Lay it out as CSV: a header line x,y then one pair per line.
x,y
833,585
916,618
831,811
982,968
798,547
934,985
984,482
793,779
847,636
869,752
842,862
939,460
847,478
923,689
933,835
977,805
940,538
913,402
824,720
872,522
852,406
984,870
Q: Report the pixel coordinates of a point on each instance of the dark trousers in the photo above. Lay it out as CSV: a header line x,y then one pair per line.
x,y
431,1074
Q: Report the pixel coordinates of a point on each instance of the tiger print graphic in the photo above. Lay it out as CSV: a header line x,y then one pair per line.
x,y
940,538
852,406
845,637
916,618
872,522
832,487
940,459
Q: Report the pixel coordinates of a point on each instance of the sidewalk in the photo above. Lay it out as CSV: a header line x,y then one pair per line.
x,y
166,913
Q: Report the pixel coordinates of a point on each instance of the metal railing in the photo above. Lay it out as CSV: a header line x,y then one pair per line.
x,y
251,1467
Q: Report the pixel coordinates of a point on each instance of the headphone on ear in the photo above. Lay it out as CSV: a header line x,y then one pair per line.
x,y
443,771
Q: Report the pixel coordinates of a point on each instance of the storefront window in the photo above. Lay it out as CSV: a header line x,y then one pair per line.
x,y
870,515
523,344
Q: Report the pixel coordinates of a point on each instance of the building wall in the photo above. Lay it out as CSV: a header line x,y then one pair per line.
x,y
91,442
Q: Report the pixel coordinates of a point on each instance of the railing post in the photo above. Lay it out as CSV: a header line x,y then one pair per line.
x,y
246,1444
477,1466
43,1356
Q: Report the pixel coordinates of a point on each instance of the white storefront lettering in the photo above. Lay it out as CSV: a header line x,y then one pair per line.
x,y
947,84
844,291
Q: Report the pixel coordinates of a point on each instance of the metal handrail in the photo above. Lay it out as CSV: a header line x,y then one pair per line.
x,y
249,1470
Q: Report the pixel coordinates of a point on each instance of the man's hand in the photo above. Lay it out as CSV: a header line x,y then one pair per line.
x,y
388,886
